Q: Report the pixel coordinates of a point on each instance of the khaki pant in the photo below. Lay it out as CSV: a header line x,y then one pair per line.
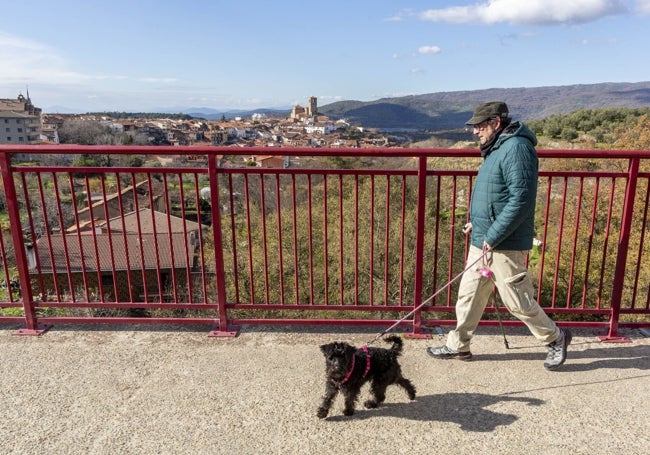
x,y
515,287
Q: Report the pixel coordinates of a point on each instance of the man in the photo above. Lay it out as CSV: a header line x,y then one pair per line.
x,y
501,223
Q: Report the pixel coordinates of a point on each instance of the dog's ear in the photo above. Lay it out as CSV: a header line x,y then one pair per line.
x,y
327,349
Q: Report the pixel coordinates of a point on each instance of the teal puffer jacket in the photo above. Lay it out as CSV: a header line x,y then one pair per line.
x,y
502,210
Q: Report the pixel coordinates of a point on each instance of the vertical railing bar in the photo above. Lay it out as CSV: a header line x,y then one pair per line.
x,y
143,264
356,239
608,225
186,235
310,215
37,258
402,242
371,237
643,229
341,243
93,233
325,241
170,237
436,240
450,263
234,237
278,204
386,240
185,242
592,229
419,243
296,261
109,234
127,254
623,244
576,229
64,239
199,217
265,252
560,237
218,243
542,259
249,239
154,228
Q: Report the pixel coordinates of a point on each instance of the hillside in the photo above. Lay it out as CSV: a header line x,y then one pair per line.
x,y
449,110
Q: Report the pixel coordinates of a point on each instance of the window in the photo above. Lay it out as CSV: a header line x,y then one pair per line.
x,y
21,139
20,130
7,130
8,138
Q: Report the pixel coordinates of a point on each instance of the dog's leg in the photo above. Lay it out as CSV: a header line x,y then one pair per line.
x,y
408,386
351,396
330,393
378,390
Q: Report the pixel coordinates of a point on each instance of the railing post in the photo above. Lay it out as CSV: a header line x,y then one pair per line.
x,y
32,327
222,330
419,246
621,257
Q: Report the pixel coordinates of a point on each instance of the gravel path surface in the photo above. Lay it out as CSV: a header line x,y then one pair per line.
x,y
170,390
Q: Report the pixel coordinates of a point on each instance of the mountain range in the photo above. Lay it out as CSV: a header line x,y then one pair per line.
x,y
450,110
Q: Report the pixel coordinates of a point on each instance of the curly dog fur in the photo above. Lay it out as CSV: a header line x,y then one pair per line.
x,y
346,370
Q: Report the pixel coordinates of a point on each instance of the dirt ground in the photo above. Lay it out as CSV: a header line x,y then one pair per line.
x,y
174,390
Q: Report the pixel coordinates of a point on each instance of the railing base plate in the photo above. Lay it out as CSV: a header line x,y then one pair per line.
x,y
39,330
233,332
608,339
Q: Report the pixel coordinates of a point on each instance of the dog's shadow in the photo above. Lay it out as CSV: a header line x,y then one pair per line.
x,y
468,410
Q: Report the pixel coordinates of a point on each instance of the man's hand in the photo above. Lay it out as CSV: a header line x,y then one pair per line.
x,y
467,228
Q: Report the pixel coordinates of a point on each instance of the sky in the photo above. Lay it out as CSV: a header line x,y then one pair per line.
x,y
153,55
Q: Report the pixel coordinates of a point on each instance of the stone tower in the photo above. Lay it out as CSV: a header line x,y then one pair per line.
x,y
312,110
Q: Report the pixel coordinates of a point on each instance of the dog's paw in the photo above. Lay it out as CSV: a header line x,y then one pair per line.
x,y
370,404
348,411
322,413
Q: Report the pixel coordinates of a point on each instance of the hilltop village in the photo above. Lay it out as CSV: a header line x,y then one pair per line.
x,y
304,127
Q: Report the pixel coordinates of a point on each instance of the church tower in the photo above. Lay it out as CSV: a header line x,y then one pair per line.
x,y
312,110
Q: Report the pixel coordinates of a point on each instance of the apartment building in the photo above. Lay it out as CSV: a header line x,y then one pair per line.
x,y
20,121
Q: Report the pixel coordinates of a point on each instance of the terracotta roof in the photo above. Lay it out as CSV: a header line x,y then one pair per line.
x,y
148,218
140,249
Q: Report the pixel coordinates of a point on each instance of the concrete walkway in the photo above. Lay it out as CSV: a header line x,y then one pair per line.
x,y
169,390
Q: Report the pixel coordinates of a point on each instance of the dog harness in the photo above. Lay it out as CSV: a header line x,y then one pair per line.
x,y
347,376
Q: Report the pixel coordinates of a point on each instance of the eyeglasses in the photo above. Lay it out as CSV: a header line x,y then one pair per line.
x,y
483,125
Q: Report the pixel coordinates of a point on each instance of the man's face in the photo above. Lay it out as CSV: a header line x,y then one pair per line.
x,y
486,129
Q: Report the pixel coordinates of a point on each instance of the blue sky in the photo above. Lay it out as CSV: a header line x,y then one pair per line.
x,y
143,55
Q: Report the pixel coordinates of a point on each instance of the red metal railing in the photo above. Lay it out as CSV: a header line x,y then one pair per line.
x,y
342,236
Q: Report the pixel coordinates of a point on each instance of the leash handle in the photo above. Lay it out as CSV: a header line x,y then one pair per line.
x,y
486,250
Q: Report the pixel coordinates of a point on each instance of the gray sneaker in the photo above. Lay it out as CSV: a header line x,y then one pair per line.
x,y
444,352
557,350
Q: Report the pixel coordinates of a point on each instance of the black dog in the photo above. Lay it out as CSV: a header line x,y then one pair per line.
x,y
348,368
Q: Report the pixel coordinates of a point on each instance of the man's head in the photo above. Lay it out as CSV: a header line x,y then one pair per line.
x,y
488,118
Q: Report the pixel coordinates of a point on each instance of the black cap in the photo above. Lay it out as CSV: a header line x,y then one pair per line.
x,y
487,111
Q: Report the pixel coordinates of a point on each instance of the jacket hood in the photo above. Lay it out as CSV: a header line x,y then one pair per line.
x,y
516,129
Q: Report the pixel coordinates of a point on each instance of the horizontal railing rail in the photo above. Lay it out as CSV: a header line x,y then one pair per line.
x,y
202,235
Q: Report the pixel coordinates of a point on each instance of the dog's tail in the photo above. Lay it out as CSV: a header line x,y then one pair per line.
x,y
397,344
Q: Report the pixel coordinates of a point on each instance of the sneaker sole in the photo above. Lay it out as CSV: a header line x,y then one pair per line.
x,y
462,356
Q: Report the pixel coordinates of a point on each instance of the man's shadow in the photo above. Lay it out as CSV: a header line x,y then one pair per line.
x,y
468,410
623,357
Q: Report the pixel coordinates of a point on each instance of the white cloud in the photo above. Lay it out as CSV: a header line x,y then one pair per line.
x,y
643,6
530,12
429,50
